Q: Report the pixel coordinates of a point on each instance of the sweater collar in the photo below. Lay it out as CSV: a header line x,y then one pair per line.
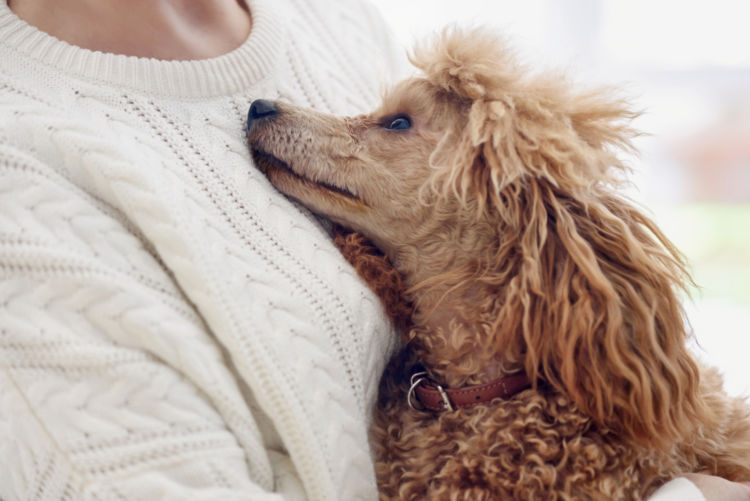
x,y
223,75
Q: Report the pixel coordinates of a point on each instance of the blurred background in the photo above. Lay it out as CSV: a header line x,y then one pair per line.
x,y
687,64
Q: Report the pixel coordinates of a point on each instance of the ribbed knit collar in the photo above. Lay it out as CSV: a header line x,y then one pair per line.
x,y
222,75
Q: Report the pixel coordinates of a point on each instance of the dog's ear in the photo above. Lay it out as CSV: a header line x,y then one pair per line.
x,y
588,286
594,306
596,303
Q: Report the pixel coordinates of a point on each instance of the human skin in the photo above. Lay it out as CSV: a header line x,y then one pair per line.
x,y
160,29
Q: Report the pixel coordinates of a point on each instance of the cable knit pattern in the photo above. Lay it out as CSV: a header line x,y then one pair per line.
x,y
170,326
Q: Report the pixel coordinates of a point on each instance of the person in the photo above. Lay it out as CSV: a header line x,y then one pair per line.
x,y
170,326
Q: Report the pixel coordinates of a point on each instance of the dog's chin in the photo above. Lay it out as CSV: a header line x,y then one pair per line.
x,y
319,196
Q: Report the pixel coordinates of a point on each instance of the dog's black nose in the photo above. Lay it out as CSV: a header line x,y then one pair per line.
x,y
261,108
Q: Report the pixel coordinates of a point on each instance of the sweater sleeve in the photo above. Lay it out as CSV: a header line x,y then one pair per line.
x,y
110,385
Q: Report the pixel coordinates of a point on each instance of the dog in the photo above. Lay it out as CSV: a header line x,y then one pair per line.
x,y
546,356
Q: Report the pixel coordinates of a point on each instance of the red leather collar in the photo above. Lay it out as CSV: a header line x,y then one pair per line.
x,y
434,397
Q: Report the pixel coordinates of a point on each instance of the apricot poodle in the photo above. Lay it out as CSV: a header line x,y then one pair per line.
x,y
546,354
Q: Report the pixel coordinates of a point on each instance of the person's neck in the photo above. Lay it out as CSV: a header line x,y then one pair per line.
x,y
160,29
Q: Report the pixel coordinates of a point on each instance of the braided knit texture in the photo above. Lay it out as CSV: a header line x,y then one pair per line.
x,y
170,326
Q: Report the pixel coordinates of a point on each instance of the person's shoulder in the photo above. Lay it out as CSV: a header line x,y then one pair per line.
x,y
342,50
29,108
358,29
360,17
364,6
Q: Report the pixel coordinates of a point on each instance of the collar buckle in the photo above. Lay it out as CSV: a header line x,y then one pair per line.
x,y
415,381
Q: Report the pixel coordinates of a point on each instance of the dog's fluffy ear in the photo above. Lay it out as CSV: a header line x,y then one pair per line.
x,y
596,302
589,285
591,306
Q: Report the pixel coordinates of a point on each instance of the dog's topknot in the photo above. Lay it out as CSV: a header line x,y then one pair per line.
x,y
471,63
521,124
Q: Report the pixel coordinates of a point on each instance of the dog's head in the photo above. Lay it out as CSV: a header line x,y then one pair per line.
x,y
479,177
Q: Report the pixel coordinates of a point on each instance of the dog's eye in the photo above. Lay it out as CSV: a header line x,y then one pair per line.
x,y
400,122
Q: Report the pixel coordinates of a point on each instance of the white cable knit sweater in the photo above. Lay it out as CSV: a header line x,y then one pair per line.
x,y
170,326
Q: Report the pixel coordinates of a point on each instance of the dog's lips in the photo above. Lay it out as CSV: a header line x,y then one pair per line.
x,y
273,166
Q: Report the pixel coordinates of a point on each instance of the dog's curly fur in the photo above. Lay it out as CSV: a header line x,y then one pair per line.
x,y
499,208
